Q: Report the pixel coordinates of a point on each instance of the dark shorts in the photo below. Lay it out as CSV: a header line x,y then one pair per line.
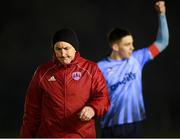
x,y
124,131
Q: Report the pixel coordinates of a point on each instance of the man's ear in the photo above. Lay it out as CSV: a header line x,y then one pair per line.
x,y
115,47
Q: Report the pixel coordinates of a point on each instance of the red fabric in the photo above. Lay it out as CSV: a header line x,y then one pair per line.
x,y
154,50
52,104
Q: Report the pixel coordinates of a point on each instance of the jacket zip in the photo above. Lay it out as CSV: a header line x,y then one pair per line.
x,y
65,93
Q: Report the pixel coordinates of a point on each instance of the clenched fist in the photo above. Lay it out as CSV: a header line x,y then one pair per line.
x,y
160,7
86,113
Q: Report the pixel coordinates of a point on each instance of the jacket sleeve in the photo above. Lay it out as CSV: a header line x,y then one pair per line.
x,y
32,108
99,95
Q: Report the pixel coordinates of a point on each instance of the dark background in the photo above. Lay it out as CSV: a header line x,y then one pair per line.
x,y
26,27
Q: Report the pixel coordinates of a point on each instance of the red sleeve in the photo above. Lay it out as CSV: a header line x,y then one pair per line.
x,y
154,50
32,108
99,95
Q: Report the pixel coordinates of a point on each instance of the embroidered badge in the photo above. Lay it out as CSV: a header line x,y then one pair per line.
x,y
76,75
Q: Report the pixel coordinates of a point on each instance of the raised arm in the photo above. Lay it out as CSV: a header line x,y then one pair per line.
x,y
162,38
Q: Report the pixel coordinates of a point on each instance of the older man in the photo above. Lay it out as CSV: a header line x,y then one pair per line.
x,y
65,94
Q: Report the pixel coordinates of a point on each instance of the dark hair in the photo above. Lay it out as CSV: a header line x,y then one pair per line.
x,y
116,34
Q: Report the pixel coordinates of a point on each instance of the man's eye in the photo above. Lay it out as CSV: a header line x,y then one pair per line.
x,y
56,48
67,48
128,44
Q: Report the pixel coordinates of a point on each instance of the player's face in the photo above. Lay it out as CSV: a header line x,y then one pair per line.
x,y
64,52
125,47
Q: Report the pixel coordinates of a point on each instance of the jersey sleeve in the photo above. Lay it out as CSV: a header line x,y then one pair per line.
x,y
161,42
142,56
162,39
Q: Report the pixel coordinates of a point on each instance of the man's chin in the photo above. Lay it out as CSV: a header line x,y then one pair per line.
x,y
129,55
65,62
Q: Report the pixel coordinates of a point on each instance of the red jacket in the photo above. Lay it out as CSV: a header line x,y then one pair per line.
x,y
58,93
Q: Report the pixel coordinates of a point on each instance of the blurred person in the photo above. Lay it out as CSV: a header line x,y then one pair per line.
x,y
123,73
65,94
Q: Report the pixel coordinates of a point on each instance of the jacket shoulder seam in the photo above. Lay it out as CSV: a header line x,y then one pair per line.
x,y
85,70
46,72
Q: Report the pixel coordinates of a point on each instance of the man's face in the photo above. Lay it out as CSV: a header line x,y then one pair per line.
x,y
125,47
64,52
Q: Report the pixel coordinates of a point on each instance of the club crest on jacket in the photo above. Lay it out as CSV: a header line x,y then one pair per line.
x,y
76,75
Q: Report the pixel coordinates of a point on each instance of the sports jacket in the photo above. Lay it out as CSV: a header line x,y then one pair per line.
x,y
56,95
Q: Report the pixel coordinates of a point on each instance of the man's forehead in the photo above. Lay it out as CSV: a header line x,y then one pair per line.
x,y
62,44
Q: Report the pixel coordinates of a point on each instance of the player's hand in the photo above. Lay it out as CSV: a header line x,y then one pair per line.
x,y
160,7
87,113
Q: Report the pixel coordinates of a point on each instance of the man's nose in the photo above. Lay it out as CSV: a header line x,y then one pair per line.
x,y
63,53
132,47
